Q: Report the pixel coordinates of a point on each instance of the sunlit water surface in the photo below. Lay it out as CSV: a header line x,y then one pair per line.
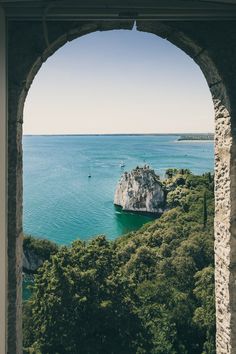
x,y
62,204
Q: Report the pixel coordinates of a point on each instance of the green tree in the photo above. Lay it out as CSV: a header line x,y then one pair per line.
x,y
150,291
204,315
81,304
204,210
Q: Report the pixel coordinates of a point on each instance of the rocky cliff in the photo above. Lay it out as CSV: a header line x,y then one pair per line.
x,y
35,252
31,261
140,190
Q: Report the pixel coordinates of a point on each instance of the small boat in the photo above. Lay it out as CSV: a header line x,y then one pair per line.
x,y
89,176
122,165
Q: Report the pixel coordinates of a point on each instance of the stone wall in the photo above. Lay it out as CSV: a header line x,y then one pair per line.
x,y
213,46
3,183
28,48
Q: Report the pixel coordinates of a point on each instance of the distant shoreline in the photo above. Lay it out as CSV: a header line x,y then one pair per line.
x,y
195,141
191,135
197,137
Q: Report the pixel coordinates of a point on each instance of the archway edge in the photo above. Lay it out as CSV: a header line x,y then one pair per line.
x,y
71,34
30,44
165,30
178,36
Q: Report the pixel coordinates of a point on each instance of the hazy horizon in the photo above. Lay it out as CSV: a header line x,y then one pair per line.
x,y
119,82
111,134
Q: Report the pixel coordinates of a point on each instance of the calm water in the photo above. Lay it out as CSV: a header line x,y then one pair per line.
x,y
62,204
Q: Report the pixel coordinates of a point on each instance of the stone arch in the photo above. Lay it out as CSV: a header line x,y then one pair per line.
x,y
224,228
32,43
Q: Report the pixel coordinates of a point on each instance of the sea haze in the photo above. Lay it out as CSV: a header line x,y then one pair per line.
x,y
62,204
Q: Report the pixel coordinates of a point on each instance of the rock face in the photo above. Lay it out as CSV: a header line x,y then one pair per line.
x,y
31,261
140,190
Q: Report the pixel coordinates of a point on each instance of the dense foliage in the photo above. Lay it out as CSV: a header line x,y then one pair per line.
x,y
150,291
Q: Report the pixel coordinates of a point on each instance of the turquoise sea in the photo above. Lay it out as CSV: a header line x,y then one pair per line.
x,y
62,204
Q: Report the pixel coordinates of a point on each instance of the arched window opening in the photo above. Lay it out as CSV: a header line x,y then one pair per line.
x,y
102,105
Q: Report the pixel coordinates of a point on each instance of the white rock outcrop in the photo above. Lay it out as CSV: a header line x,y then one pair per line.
x,y
140,190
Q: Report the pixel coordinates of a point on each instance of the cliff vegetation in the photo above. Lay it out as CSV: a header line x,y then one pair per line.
x,y
150,291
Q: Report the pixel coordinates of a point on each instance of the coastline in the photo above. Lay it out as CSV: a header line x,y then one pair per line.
x,y
116,134
68,200
194,141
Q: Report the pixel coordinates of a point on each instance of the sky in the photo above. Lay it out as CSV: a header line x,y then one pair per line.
x,y
119,82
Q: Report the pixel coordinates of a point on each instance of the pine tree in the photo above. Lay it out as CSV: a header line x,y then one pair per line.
x,y
204,210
